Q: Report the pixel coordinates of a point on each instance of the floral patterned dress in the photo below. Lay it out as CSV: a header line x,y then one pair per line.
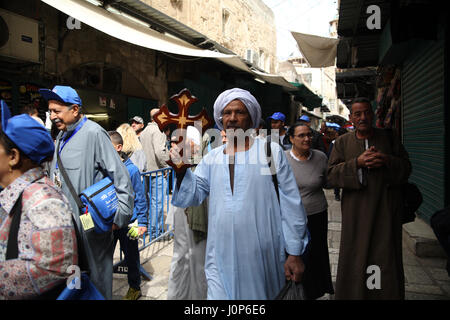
x,y
46,238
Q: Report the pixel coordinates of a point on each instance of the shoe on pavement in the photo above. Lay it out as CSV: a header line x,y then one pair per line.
x,y
133,294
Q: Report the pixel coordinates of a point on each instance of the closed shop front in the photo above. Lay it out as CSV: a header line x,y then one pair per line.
x,y
423,123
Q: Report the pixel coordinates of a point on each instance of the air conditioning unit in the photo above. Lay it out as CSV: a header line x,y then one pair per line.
x,y
256,58
250,55
19,37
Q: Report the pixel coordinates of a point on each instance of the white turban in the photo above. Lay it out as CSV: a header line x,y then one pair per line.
x,y
253,107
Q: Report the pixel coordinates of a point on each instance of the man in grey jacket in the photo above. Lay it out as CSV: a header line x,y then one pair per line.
x,y
88,156
154,145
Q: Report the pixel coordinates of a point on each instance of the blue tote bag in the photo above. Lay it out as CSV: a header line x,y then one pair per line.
x,y
87,291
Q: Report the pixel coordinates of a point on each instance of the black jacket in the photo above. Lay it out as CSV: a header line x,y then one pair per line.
x,y
317,141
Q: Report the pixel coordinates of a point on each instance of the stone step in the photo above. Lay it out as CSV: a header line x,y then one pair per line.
x,y
420,238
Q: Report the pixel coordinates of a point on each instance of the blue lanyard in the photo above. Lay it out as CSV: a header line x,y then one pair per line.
x,y
65,140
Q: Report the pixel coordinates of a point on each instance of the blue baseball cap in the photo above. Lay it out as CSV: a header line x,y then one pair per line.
x,y
304,118
6,114
278,116
63,94
28,135
333,125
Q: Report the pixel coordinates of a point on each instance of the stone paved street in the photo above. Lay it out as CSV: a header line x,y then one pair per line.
x,y
156,261
426,277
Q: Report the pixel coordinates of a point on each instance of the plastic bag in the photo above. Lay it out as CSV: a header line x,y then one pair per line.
x,y
292,291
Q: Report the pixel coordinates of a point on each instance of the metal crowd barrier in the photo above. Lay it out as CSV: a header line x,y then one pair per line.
x,y
158,185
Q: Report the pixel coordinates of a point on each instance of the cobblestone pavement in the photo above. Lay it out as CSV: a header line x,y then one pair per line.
x,y
426,278
156,261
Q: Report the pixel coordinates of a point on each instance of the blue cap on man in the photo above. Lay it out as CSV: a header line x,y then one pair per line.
x,y
278,116
28,135
304,118
63,94
333,125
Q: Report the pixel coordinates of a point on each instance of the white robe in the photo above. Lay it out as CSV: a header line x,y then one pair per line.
x,y
187,279
249,232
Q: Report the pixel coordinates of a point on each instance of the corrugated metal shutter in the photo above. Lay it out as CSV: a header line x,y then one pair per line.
x,y
423,123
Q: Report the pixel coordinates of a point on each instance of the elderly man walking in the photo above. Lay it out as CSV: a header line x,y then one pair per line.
x,y
250,229
369,165
88,156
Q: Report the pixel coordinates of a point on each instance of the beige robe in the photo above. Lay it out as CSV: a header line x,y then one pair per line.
x,y
371,217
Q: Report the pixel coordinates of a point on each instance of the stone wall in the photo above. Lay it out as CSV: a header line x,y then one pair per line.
x,y
145,73
89,46
250,24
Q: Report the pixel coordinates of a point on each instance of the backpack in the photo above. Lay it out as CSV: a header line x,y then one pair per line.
x,y
412,199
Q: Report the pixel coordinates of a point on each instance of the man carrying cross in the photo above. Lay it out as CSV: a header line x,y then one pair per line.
x,y
255,239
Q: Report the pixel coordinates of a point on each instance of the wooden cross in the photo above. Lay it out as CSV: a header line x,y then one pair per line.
x,y
164,117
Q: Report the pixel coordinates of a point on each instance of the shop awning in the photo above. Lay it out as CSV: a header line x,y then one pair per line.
x,y
337,119
132,30
118,26
351,82
325,107
318,51
308,98
275,79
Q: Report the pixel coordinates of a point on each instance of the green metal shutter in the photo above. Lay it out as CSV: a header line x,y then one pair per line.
x,y
423,123
140,107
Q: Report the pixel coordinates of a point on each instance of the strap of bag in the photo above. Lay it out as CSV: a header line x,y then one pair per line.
x,y
12,249
67,180
82,258
272,169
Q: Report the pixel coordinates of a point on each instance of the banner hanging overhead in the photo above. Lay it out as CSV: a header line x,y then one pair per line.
x,y
318,51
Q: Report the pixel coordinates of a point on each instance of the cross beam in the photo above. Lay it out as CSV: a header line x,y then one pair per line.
x,y
164,117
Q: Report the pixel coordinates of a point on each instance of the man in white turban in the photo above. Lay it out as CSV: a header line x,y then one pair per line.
x,y
249,101
255,238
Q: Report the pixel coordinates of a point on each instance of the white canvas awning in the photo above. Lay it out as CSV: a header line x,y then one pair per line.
x,y
122,27
318,51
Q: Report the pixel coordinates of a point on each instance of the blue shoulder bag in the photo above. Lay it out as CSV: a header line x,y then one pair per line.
x,y
100,200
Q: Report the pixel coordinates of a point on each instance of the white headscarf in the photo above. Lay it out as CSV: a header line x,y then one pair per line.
x,y
253,107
